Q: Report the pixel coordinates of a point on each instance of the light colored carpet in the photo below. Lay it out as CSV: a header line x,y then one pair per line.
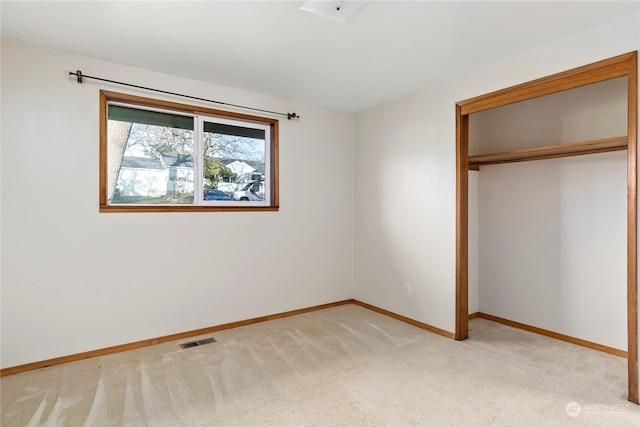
x,y
344,366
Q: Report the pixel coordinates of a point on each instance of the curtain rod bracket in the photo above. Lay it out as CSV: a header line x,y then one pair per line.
x,y
79,77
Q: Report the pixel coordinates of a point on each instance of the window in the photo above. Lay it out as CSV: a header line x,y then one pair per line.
x,y
163,156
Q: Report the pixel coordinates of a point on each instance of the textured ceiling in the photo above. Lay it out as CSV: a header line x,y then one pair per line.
x,y
390,49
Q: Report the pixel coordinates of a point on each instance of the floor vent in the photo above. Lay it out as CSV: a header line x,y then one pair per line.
x,y
197,343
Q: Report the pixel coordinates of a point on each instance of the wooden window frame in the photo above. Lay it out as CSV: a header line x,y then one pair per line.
x,y
619,66
106,97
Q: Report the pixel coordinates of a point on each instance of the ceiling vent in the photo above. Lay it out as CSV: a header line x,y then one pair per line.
x,y
342,11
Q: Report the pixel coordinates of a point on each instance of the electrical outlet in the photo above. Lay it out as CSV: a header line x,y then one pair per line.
x,y
407,289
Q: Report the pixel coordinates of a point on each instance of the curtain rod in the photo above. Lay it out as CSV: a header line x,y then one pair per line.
x,y
81,76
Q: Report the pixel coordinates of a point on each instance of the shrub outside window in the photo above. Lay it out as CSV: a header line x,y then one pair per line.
x,y
164,156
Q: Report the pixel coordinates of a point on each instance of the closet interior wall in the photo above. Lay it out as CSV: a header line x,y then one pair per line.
x,y
547,238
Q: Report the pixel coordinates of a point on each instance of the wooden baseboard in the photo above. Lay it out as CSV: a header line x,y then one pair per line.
x,y
406,319
552,334
145,343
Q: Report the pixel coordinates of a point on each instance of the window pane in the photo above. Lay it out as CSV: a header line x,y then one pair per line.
x,y
157,118
237,131
234,161
150,157
160,156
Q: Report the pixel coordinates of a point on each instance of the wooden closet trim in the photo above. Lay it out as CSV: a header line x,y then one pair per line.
x,y
632,229
618,66
462,225
607,69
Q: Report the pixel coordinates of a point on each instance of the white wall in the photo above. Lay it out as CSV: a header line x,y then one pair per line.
x,y
405,175
473,236
75,280
404,210
553,245
552,233
586,113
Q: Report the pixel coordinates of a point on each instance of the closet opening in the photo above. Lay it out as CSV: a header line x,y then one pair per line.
x,y
548,212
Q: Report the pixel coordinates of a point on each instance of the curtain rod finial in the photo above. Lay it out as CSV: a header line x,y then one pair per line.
x,y
291,116
79,76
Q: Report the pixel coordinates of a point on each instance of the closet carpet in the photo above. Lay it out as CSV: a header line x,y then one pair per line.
x,y
343,366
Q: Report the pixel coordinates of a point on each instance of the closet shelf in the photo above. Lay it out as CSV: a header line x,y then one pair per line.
x,y
550,152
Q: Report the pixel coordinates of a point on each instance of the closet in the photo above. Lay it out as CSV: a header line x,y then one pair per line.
x,y
552,232
552,166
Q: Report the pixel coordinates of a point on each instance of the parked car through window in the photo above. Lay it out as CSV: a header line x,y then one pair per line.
x,y
213,194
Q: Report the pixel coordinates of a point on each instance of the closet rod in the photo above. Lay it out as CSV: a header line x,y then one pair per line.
x,y
550,152
80,77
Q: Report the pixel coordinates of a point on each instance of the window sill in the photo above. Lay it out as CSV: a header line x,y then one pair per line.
x,y
134,209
